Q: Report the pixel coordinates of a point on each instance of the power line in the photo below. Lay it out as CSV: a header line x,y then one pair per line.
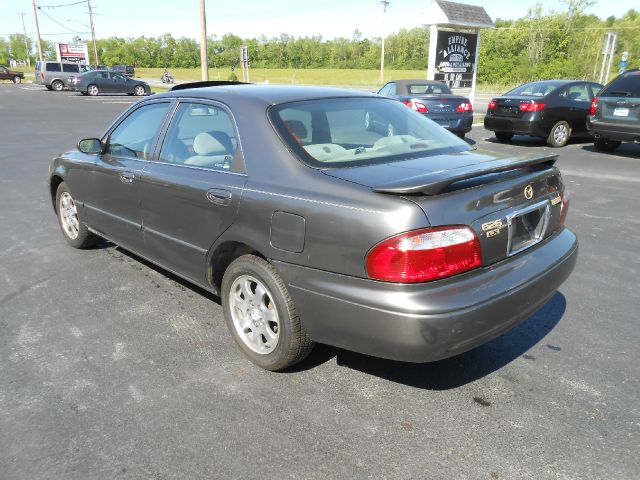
x,y
57,22
62,5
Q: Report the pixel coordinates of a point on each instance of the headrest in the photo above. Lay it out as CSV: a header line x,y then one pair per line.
x,y
205,144
297,128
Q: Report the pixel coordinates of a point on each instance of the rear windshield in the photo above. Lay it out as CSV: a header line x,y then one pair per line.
x,y
626,85
423,89
534,89
345,132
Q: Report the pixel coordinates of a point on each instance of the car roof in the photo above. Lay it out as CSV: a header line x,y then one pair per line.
x,y
264,94
416,81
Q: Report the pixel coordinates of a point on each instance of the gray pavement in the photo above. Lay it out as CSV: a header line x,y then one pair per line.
x,y
113,368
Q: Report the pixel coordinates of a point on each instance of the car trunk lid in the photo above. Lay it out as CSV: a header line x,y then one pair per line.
x,y
510,106
511,203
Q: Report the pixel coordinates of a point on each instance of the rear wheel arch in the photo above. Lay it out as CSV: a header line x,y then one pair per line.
x,y
222,256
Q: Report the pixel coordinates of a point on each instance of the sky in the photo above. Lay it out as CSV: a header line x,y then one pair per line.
x,y
248,18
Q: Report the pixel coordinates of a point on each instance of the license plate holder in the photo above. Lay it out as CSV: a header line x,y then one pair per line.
x,y
621,112
527,227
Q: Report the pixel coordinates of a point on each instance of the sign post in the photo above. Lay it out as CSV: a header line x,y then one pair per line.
x,y
244,62
454,43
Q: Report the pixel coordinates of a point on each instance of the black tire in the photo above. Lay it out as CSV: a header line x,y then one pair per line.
x,y
138,91
17,79
293,343
93,90
57,85
605,145
459,134
84,238
503,136
559,134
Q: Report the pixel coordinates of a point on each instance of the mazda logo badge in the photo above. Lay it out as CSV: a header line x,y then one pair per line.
x,y
528,192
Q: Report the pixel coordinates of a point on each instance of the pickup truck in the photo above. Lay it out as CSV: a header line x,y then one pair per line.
x,y
14,76
126,70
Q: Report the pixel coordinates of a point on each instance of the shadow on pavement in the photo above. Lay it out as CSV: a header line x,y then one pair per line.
x,y
628,150
459,370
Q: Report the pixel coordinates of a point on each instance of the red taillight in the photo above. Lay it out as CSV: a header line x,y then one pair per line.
x,y
532,107
417,106
465,107
564,207
424,255
42,76
492,105
420,107
594,104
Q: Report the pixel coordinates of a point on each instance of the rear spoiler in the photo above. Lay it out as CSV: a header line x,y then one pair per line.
x,y
206,83
434,183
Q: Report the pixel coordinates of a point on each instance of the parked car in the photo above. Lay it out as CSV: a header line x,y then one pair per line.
x,y
434,100
126,70
555,110
311,228
614,116
55,75
13,75
96,82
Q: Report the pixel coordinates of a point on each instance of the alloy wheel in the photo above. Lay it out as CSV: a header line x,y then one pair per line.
x,y
254,314
69,216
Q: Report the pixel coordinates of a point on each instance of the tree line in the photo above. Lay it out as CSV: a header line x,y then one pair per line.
x,y
554,44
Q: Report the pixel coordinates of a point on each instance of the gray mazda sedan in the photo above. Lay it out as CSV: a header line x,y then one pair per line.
x,y
406,244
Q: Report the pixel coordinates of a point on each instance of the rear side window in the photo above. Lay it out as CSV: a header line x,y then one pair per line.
x,y
576,93
134,136
70,68
626,85
53,67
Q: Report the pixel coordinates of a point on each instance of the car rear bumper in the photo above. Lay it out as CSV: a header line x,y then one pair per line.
x,y
429,321
457,123
613,131
518,126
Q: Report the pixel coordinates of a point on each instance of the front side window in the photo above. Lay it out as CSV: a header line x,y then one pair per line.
x,y
134,136
329,133
200,135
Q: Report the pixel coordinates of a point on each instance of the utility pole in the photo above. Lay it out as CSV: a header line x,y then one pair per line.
x,y
93,34
35,16
26,43
204,61
385,4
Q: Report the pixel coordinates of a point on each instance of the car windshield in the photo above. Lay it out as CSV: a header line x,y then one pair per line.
x,y
345,132
534,89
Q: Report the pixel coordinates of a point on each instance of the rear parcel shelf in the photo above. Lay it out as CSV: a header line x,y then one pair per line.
x,y
434,183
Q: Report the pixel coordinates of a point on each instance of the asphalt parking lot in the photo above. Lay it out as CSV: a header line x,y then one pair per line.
x,y
113,368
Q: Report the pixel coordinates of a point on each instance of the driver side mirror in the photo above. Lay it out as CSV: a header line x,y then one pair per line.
x,y
90,146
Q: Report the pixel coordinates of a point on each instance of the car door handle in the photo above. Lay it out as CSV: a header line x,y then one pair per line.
x,y
127,177
219,196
